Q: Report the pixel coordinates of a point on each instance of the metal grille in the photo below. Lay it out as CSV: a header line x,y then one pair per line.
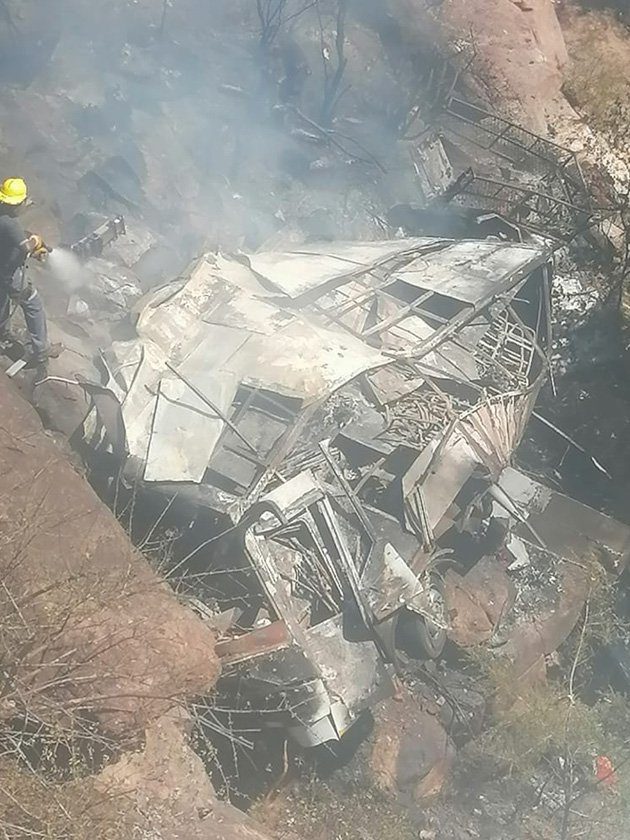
x,y
536,211
506,352
523,149
544,192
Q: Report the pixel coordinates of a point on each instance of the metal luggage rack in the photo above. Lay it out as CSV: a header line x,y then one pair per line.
x,y
538,212
523,149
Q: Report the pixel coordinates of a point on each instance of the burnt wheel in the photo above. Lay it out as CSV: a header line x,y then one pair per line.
x,y
423,636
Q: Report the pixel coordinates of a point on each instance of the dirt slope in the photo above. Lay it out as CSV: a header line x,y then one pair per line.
x,y
517,49
86,623
598,81
161,792
171,793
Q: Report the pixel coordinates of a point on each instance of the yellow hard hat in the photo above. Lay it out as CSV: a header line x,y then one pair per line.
x,y
13,191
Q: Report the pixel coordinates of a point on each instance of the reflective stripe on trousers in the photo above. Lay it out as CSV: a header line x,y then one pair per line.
x,y
32,308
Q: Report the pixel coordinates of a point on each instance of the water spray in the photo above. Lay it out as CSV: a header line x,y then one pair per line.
x,y
66,261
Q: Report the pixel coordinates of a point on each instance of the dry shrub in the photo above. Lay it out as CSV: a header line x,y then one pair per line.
x,y
541,722
547,718
317,811
46,736
79,810
598,79
51,635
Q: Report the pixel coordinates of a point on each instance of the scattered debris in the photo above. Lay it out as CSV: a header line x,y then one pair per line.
x,y
326,423
345,471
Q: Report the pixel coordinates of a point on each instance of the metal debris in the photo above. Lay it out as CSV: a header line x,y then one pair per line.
x,y
345,411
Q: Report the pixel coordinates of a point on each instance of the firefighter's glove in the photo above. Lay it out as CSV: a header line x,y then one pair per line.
x,y
41,254
38,247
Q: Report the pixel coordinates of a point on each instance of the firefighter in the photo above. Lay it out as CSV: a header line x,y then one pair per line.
x,y
16,245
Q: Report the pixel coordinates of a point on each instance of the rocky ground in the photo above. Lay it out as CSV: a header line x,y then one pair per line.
x,y
186,118
103,660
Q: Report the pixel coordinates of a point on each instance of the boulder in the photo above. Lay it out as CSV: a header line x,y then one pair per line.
x,y
477,601
168,792
534,637
162,791
411,753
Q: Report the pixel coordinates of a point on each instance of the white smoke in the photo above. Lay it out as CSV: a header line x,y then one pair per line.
x,y
68,269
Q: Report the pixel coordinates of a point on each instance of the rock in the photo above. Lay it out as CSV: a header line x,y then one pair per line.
x,y
477,602
131,247
538,635
110,287
469,624
136,652
490,585
78,308
411,753
167,785
518,50
162,791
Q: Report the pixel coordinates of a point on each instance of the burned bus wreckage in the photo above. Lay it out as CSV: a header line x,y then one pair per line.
x,y
333,427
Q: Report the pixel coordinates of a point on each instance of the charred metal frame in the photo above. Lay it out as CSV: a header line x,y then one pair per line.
x,y
365,301
508,355
520,147
446,328
378,567
561,210
536,211
281,661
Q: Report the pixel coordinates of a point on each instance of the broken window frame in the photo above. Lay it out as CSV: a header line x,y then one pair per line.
x,y
367,301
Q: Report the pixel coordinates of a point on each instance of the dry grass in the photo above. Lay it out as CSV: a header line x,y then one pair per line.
x,y
598,80
547,718
547,731
542,722
33,808
317,812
